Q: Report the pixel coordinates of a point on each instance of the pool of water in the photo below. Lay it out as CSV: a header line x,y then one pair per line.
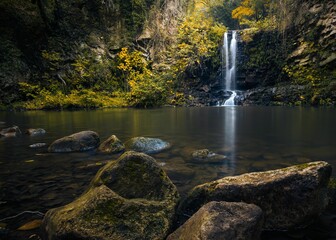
x,y
252,138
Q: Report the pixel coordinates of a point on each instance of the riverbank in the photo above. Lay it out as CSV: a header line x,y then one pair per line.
x,y
282,95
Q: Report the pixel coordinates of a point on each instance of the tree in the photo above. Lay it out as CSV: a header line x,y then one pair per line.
x,y
251,10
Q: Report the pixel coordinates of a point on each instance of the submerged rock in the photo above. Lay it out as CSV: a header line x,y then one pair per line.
x,y
10,132
35,131
131,198
206,156
78,142
112,145
37,145
146,145
290,197
22,219
222,220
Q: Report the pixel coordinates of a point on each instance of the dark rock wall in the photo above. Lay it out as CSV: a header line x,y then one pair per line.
x,y
304,40
21,32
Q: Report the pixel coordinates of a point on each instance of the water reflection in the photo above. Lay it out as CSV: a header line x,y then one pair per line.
x,y
230,137
252,138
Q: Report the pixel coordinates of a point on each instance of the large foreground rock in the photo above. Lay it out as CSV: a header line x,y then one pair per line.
x,y
222,220
289,197
78,142
131,198
146,145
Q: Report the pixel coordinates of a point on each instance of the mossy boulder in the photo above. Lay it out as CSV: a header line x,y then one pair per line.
x,y
146,145
77,142
112,145
222,220
289,197
131,198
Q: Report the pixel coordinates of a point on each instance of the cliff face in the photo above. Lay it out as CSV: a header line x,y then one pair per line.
x,y
314,30
301,51
21,32
68,30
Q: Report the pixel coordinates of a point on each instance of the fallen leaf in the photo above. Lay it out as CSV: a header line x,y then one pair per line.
x,y
30,225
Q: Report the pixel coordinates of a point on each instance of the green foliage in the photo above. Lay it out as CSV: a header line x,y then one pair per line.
x,y
197,42
29,91
93,72
261,14
318,90
75,99
53,64
265,55
178,99
147,91
221,12
135,13
131,64
303,75
145,88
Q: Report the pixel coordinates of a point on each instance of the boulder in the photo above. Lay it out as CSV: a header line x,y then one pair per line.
x,y
78,142
146,145
289,197
332,194
112,145
206,156
222,220
35,131
131,198
10,132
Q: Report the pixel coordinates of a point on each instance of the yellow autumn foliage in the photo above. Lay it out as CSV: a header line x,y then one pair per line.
x,y
242,12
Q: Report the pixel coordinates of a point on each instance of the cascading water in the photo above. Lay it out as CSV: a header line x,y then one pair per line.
x,y
230,101
229,55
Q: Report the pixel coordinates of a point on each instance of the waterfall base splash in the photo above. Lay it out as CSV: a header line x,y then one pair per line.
x,y
230,101
233,100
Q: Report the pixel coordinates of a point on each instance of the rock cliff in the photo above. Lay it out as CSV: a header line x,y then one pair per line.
x,y
301,50
35,33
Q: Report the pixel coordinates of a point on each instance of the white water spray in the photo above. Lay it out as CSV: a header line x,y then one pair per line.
x,y
230,101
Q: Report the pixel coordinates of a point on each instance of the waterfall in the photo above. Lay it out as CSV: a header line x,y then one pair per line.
x,y
230,101
229,52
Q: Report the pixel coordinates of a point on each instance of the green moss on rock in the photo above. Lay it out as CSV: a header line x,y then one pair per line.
x,y
131,198
276,192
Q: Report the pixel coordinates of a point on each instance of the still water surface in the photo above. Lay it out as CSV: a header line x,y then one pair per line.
x,y
253,139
